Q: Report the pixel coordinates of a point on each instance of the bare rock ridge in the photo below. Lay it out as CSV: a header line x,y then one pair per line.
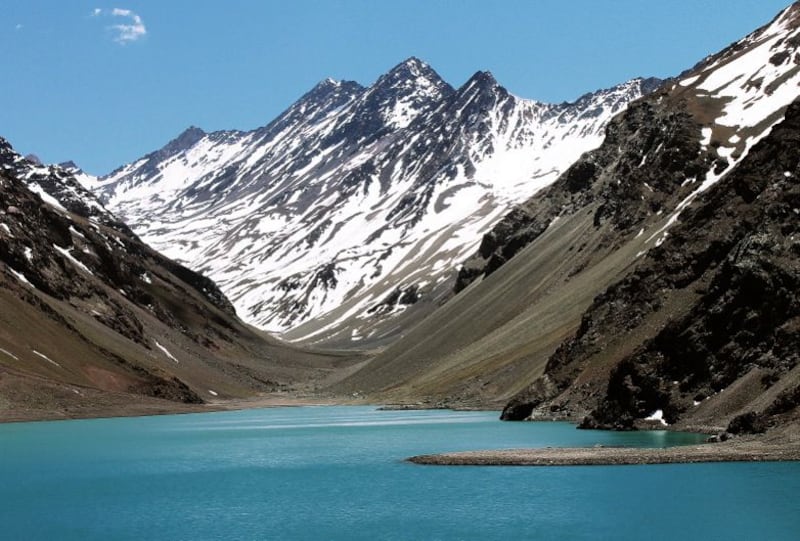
x,y
92,321
311,223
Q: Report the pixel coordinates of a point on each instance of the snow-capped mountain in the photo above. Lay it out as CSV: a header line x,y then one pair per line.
x,y
356,202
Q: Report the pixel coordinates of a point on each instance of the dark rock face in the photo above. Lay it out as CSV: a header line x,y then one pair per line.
x,y
521,406
748,316
399,297
517,410
712,306
735,256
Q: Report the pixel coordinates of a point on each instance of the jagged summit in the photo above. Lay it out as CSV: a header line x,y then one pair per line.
x,y
413,69
412,73
63,186
481,88
482,78
5,146
71,166
412,63
186,139
404,92
329,85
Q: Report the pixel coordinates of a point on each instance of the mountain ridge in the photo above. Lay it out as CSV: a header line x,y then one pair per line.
x,y
385,188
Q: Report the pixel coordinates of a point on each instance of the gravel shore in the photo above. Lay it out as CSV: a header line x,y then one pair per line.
x,y
550,456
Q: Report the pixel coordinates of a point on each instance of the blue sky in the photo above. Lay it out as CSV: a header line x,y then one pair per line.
x,y
103,83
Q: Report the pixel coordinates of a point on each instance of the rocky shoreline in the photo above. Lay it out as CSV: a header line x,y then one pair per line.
x,y
749,451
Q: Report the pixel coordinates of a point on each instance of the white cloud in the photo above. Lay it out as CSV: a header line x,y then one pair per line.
x,y
132,30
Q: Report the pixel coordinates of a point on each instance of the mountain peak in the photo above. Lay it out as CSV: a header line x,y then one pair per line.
x,y
33,158
413,72
481,86
186,139
790,16
347,192
484,79
413,65
69,165
404,92
330,85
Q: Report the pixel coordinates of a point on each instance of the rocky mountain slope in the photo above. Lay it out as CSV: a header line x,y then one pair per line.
x,y
343,219
728,344
654,279
92,321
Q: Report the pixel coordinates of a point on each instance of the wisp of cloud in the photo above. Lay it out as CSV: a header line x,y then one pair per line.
x,y
133,30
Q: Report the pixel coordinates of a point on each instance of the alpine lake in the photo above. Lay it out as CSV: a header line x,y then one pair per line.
x,y
338,473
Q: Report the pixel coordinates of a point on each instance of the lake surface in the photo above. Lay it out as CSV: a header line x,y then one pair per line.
x,y
338,473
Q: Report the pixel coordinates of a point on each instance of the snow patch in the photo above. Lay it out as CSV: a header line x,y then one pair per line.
x,y
9,354
657,415
46,197
66,253
21,277
46,358
706,137
166,352
689,81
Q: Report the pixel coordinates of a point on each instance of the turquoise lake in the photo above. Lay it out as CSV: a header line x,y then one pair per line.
x,y
338,473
